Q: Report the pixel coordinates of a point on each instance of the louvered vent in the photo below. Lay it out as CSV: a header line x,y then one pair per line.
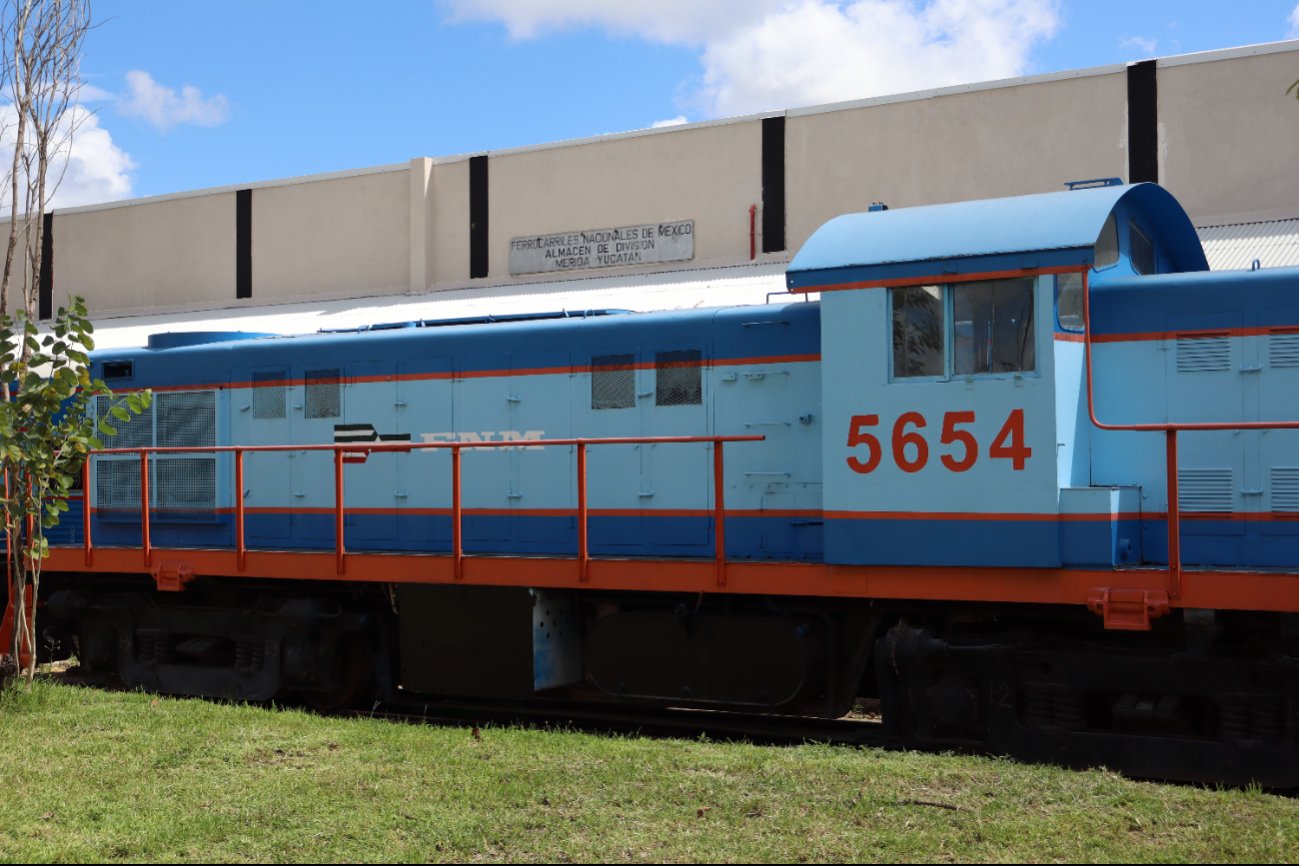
x,y
1283,349
1205,490
1285,489
1203,353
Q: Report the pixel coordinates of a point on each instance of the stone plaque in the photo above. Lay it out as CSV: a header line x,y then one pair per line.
x,y
603,248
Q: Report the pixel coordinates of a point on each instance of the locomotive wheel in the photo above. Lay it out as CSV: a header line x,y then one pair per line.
x,y
351,676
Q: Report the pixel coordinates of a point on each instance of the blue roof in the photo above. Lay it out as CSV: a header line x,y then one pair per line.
x,y
1050,230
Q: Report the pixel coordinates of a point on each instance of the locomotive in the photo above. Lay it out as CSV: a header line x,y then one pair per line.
x,y
1026,473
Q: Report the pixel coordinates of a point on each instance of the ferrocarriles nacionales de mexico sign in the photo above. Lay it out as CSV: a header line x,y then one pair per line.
x,y
603,248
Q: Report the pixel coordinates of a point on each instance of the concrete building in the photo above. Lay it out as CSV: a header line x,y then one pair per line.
x,y
712,209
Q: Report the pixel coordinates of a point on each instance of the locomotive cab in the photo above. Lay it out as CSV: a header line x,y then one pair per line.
x,y
954,384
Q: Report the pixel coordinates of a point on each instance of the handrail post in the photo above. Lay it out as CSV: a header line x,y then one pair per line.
x,y
583,544
340,552
241,547
145,540
719,512
85,513
457,538
1174,518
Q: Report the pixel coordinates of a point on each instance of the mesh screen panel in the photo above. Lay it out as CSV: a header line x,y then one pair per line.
x,y
186,419
324,398
677,379
185,483
135,433
613,381
269,400
117,485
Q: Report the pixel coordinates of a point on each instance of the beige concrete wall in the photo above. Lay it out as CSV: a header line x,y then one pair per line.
x,y
448,224
174,254
956,147
1229,134
339,237
708,174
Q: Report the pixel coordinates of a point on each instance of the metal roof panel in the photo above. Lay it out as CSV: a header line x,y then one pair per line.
x,y
1032,231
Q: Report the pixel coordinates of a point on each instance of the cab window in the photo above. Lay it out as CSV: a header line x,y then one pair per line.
x,y
1107,245
963,329
1143,251
919,331
1069,301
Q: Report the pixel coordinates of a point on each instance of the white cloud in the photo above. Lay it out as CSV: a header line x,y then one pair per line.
x,y
1141,44
1294,23
817,51
163,108
770,54
88,168
671,121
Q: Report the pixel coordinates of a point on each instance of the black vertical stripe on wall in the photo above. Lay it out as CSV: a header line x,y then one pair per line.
x,y
1143,122
45,300
244,243
773,184
477,217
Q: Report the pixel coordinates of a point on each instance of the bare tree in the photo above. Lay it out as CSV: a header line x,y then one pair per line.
x,y
42,41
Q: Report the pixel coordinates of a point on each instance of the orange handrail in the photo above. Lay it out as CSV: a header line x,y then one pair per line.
x,y
457,505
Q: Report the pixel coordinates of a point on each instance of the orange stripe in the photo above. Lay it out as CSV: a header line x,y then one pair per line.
x,y
1197,334
956,515
522,512
797,513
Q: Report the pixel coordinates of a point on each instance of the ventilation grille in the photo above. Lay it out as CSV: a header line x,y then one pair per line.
x,y
269,400
613,382
677,379
1203,354
177,483
186,419
324,397
1285,489
117,485
135,433
1205,490
1283,350
185,484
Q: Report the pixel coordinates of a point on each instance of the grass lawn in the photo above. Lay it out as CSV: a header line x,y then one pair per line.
x,y
98,776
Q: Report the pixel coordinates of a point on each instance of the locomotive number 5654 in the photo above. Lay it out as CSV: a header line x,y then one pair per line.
x,y
911,449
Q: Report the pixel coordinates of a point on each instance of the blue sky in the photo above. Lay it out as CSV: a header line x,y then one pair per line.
x,y
188,95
